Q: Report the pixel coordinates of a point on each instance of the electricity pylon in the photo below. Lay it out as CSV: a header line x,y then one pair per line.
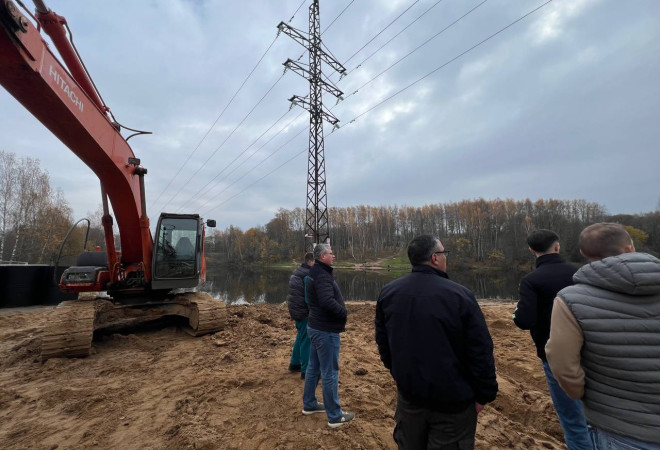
x,y
316,221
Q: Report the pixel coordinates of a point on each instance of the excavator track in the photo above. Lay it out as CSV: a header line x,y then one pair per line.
x,y
70,330
71,325
207,315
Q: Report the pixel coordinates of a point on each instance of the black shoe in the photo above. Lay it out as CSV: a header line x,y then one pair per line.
x,y
302,375
294,367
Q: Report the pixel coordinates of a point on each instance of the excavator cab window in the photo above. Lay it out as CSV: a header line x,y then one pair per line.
x,y
176,259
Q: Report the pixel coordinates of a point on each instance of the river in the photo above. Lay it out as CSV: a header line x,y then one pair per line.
x,y
269,285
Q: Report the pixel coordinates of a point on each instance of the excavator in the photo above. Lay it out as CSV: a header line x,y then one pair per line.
x,y
150,277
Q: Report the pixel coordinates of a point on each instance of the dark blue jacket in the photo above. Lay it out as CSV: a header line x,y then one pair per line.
x,y
433,337
327,311
296,298
537,294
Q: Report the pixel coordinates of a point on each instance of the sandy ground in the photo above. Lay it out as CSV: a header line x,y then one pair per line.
x,y
163,389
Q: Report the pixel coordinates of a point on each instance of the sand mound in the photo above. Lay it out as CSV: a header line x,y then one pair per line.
x,y
163,389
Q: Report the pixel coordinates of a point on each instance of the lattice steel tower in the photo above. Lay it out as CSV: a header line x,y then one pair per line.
x,y
316,223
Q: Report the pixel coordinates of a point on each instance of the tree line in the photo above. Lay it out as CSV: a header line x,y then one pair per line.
x,y
32,213
34,219
475,231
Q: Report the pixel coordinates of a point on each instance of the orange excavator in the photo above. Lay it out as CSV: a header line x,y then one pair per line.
x,y
150,277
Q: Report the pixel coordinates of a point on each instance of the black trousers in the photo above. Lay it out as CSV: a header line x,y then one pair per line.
x,y
420,428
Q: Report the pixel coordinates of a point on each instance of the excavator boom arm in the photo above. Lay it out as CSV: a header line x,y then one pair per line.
x,y
31,73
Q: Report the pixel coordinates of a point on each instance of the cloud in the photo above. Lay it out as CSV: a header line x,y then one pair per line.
x,y
562,104
553,23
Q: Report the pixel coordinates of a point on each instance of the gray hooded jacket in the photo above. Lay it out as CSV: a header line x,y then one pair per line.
x,y
616,302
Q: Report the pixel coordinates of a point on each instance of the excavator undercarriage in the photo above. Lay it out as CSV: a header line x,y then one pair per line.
x,y
71,326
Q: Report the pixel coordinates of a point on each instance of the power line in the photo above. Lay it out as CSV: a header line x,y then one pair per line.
x,y
303,151
381,31
264,160
294,14
419,46
326,29
391,39
400,15
235,129
259,164
224,109
215,122
335,19
226,139
238,91
453,23
262,146
379,103
450,61
338,16
241,154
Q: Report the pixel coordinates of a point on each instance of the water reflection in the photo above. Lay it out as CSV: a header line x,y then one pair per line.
x,y
254,286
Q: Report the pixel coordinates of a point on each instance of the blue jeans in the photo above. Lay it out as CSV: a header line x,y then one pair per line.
x,y
605,440
324,364
300,351
570,414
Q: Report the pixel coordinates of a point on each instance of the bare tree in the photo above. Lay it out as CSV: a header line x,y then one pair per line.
x,y
31,212
8,175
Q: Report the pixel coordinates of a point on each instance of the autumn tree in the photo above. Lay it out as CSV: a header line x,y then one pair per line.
x,y
638,236
492,231
32,213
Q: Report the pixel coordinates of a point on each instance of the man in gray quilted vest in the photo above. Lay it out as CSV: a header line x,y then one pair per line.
x,y
604,345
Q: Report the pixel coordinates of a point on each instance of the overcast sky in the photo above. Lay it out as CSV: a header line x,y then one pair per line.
x,y
563,104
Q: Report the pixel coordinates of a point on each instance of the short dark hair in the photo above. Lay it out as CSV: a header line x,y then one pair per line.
x,y
421,249
541,240
603,239
309,257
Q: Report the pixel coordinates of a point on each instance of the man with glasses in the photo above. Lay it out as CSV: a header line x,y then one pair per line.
x,y
432,336
327,318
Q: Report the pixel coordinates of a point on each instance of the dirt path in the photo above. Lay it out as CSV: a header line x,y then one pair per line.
x,y
376,264
162,389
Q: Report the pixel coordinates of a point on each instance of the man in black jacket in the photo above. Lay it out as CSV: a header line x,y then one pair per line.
x,y
299,311
432,336
537,293
327,318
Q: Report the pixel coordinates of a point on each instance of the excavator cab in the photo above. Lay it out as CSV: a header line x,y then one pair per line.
x,y
177,257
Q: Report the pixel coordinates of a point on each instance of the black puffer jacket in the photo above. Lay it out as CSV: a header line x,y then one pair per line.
x,y
296,297
327,311
432,336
